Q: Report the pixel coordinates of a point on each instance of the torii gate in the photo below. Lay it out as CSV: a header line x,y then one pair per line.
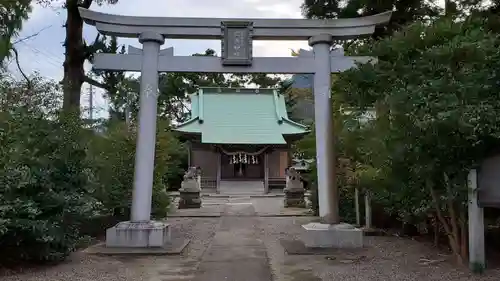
x,y
236,36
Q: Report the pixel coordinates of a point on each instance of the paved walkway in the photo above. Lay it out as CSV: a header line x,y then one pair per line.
x,y
236,254
216,206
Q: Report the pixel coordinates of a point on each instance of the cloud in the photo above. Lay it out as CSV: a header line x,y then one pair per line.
x,y
215,8
44,52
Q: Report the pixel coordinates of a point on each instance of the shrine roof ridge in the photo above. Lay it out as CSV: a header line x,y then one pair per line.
x,y
235,90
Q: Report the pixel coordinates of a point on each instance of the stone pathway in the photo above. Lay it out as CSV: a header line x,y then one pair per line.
x,y
170,269
236,253
215,206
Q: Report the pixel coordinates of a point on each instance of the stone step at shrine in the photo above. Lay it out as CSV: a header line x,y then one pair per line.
x,y
241,187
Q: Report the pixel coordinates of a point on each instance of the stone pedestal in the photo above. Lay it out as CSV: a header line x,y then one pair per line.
x,y
189,193
147,234
318,235
294,198
189,199
294,190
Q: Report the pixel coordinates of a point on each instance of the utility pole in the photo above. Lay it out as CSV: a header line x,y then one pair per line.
x,y
91,103
127,110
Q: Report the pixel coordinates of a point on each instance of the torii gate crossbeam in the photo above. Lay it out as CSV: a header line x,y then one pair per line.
x,y
170,63
210,28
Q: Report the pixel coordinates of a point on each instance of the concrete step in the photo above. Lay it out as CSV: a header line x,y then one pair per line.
x,y
241,187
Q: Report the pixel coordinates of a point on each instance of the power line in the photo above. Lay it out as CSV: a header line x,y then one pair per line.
x,y
13,69
128,112
56,57
35,63
32,35
51,58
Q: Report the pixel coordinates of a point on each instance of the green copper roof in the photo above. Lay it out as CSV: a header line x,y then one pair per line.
x,y
240,116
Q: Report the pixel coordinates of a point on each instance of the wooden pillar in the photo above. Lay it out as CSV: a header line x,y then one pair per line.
x,y
190,151
356,205
219,167
289,156
368,210
266,172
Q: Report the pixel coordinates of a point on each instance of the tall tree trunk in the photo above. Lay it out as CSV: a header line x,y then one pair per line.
x,y
450,8
449,226
435,226
464,243
75,56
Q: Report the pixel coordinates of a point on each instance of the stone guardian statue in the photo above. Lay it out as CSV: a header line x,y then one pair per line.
x,y
190,189
294,189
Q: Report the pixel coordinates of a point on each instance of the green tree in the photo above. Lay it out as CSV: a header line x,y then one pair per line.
x,y
404,11
76,52
435,88
44,100
45,182
113,156
114,83
12,15
175,87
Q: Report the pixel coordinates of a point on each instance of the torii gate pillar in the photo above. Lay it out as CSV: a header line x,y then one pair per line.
x,y
140,231
329,233
323,116
146,133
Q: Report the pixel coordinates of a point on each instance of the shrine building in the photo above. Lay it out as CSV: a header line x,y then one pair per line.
x,y
240,138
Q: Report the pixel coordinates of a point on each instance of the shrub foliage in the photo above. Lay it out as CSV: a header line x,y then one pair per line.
x,y
57,175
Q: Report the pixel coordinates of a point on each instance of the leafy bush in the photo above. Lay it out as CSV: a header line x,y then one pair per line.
x,y
173,156
59,181
44,182
113,157
435,91
306,147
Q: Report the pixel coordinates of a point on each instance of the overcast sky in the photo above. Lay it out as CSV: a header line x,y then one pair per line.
x,y
44,52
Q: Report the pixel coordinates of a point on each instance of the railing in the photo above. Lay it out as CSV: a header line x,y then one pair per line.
x,y
277,183
208,182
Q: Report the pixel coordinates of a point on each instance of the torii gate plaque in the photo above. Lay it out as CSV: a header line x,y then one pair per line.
x,y
236,36
236,43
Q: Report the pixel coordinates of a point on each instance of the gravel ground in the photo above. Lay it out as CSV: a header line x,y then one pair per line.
x,y
82,267
386,259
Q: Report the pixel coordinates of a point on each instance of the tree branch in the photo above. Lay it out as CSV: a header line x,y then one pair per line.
x,y
435,200
91,49
86,4
95,83
28,81
453,240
